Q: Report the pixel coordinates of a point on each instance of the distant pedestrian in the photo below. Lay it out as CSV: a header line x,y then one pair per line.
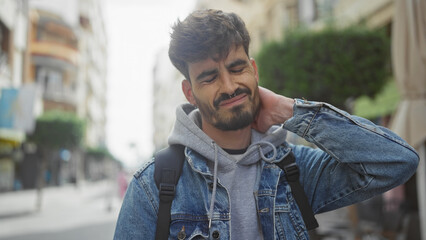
x,y
234,132
122,183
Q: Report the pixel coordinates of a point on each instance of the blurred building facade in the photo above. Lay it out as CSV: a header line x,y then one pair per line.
x,y
54,52
93,71
13,48
266,20
374,14
167,96
68,60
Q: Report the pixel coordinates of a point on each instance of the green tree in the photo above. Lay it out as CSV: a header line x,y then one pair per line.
x,y
331,65
99,153
55,130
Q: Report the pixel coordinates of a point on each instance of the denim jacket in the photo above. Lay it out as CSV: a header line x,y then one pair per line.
x,y
354,161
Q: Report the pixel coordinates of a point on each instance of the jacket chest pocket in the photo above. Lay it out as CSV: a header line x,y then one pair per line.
x,y
197,228
185,229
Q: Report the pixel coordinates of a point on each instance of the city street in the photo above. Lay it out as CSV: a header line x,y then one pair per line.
x,y
88,211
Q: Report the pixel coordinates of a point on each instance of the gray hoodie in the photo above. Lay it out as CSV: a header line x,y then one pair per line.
x,y
240,178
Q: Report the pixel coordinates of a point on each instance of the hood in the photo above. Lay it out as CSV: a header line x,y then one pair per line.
x,y
187,131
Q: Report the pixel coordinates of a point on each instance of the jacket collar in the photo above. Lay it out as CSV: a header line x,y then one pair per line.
x,y
197,161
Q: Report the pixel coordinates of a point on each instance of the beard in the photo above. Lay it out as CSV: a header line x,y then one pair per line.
x,y
235,118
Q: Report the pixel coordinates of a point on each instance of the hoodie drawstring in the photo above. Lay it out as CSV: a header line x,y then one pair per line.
x,y
213,198
263,155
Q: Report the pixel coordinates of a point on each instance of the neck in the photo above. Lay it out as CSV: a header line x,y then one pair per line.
x,y
237,139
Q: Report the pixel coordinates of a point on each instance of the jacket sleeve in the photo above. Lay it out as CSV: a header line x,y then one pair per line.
x,y
139,209
355,158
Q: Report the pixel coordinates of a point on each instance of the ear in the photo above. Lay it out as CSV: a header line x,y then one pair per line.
x,y
256,73
187,91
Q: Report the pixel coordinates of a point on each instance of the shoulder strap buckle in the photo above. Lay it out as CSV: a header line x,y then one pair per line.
x,y
167,190
292,172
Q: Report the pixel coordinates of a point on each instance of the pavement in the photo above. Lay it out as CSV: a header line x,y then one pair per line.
x,y
334,225
88,211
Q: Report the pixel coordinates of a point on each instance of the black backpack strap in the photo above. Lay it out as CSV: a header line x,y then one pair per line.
x,y
168,168
289,166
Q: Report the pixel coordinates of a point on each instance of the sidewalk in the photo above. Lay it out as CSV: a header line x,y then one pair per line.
x,y
63,208
333,225
95,204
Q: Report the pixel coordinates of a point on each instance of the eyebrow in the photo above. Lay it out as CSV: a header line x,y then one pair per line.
x,y
236,63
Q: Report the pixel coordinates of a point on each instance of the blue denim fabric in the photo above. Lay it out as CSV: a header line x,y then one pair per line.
x,y
355,160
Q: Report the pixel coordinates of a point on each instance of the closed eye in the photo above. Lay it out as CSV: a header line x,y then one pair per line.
x,y
209,80
236,70
237,66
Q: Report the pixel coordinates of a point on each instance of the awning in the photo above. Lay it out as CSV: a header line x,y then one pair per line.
x,y
11,137
409,65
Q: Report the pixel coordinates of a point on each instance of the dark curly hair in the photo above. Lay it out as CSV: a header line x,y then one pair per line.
x,y
206,34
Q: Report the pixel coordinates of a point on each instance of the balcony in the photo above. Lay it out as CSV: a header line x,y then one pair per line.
x,y
55,50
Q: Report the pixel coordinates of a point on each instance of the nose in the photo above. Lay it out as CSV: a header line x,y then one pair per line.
x,y
228,84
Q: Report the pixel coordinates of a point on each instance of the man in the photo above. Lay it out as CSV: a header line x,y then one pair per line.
x,y
234,131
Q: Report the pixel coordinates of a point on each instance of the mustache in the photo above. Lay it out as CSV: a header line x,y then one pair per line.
x,y
224,96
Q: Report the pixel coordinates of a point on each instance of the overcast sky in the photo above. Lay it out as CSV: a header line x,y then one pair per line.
x,y
136,31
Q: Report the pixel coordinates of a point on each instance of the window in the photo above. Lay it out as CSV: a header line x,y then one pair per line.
x,y
51,81
4,48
